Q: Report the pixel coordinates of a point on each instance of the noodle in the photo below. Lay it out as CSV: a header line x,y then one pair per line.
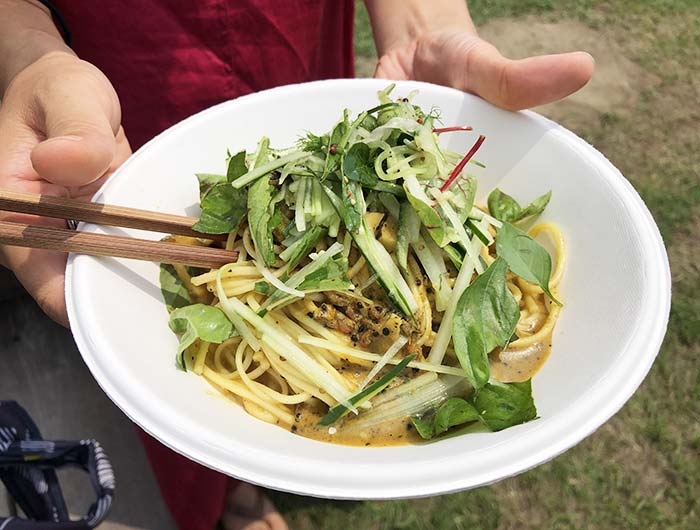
x,y
306,331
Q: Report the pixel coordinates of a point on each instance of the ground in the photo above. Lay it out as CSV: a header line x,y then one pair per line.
x,y
642,469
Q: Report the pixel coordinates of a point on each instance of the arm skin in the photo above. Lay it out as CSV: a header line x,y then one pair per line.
x,y
436,41
60,135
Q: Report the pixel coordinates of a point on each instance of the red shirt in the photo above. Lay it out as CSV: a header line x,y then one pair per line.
x,y
168,59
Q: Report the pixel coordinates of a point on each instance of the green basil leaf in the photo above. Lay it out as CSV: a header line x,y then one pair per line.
x,y
173,289
207,181
260,218
536,207
236,166
454,411
525,256
502,405
358,167
504,207
425,425
198,321
223,209
485,317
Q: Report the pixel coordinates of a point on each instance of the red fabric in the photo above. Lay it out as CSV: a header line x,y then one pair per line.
x,y
168,59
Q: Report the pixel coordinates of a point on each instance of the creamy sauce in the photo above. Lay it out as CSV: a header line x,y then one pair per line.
x,y
308,415
516,365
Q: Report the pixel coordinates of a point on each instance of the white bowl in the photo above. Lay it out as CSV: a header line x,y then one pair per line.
x,y
616,291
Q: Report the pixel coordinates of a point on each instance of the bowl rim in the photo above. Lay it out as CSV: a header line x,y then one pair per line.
x,y
566,434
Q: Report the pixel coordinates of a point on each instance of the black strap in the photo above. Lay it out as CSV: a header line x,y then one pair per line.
x,y
62,24
27,468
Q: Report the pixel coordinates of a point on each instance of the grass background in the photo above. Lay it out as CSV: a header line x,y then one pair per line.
x,y
642,469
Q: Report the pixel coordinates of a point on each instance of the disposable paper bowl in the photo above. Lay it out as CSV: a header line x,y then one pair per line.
x,y
616,291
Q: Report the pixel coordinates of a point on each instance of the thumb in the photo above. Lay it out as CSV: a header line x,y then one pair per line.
x,y
519,84
467,62
81,116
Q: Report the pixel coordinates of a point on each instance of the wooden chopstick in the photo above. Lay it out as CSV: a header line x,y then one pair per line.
x,y
101,214
65,240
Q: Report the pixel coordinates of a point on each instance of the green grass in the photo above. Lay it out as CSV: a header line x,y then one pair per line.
x,y
642,469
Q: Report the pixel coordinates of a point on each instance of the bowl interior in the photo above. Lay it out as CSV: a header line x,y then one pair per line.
x,y
615,290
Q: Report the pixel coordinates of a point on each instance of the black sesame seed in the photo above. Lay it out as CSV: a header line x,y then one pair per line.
x,y
294,428
375,333
354,337
409,426
378,308
324,307
310,314
359,305
385,331
418,282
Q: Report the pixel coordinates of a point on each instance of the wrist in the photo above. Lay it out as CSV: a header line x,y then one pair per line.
x,y
399,22
26,48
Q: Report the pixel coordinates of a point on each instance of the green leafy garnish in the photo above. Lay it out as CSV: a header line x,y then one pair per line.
x,y
502,405
496,405
223,208
485,317
340,410
505,208
173,289
452,412
525,256
358,167
198,321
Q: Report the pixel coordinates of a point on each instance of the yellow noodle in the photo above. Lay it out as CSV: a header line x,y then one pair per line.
x,y
357,267
200,357
543,333
264,391
258,412
241,390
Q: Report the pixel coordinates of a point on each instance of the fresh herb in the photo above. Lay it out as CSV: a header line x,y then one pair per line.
x,y
198,321
485,317
505,208
358,167
173,289
223,209
525,256
496,405
502,405
452,412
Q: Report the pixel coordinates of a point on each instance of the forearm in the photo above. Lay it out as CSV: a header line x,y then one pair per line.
x,y
397,21
26,34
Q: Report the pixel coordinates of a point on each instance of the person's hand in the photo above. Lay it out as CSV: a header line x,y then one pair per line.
x,y
60,135
460,59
